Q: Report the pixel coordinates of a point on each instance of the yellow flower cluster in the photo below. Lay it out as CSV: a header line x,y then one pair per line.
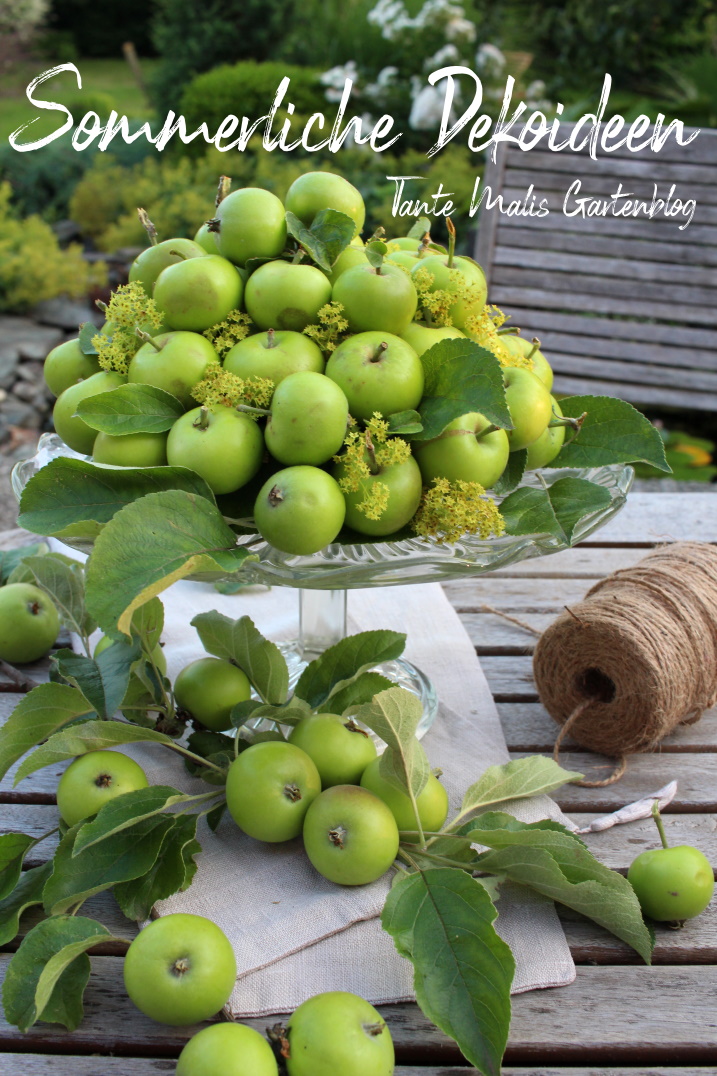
x,y
225,334
129,309
483,329
451,509
332,324
368,452
222,388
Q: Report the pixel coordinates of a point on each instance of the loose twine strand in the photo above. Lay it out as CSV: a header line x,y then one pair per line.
x,y
636,658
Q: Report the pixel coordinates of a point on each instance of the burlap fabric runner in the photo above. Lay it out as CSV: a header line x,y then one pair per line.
x,y
295,934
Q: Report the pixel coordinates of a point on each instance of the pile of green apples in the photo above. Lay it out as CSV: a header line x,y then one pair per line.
x,y
286,457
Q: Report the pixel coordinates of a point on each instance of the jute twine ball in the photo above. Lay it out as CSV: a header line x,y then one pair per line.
x,y
637,657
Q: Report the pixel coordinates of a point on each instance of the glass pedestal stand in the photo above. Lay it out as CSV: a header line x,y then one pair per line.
x,y
323,578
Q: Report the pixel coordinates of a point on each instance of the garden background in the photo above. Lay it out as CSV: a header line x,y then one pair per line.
x,y
68,222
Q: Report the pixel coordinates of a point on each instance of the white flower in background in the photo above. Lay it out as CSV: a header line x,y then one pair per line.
x,y
21,17
384,81
460,29
392,18
535,91
335,79
427,109
416,86
490,60
448,54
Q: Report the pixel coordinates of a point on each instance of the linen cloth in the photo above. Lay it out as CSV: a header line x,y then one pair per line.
x,y
294,933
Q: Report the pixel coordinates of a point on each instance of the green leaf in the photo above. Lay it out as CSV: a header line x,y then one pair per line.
x,y
64,582
87,333
47,976
129,808
573,499
148,624
359,691
149,545
334,230
172,871
461,377
70,496
13,849
613,432
404,422
376,253
442,920
240,642
518,779
529,511
47,708
420,228
12,559
344,662
26,893
394,716
554,862
89,736
102,680
514,471
127,855
136,409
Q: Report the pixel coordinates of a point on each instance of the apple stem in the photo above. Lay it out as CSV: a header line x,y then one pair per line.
x,y
202,420
379,352
147,339
489,429
147,225
179,254
225,185
658,822
371,453
270,341
424,244
299,256
213,225
534,348
248,409
101,306
451,241
574,423
195,758
509,330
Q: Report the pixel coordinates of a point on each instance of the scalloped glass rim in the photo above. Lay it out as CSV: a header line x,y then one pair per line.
x,y
411,560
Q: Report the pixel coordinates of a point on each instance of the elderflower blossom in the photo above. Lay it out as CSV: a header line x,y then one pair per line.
x,y
335,78
332,325
367,454
220,387
385,80
225,334
449,510
128,310
490,61
449,54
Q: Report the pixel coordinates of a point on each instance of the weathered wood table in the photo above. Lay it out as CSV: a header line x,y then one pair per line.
x,y
619,1015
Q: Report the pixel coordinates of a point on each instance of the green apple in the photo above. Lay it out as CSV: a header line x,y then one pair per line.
x,y
94,779
314,191
530,405
405,488
199,292
251,225
382,298
405,258
208,689
338,1034
274,355
543,451
347,259
464,451
151,262
308,420
207,239
432,801
518,345
350,835
66,364
74,432
220,444
338,747
131,450
29,623
180,969
377,371
423,337
270,787
175,362
280,295
453,275
299,510
227,1049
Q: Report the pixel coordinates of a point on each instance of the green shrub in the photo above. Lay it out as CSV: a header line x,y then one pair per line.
x,y
33,267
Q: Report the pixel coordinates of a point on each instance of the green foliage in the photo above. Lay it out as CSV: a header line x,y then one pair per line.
x,y
93,28
32,264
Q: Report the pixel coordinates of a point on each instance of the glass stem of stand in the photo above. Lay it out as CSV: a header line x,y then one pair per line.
x,y
322,621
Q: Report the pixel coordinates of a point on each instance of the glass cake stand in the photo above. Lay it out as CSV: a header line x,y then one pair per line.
x,y
324,578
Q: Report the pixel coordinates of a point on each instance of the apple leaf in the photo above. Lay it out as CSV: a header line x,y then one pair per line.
x,y
461,377
102,680
514,471
149,545
613,432
528,511
70,496
419,229
404,422
334,230
127,855
136,409
557,864
128,809
43,711
12,559
359,691
13,849
573,499
240,642
555,510
63,581
26,893
518,779
88,736
394,716
442,921
344,662
47,976
87,332
172,871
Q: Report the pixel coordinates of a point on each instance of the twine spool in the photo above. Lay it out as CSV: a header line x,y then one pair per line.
x,y
635,658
